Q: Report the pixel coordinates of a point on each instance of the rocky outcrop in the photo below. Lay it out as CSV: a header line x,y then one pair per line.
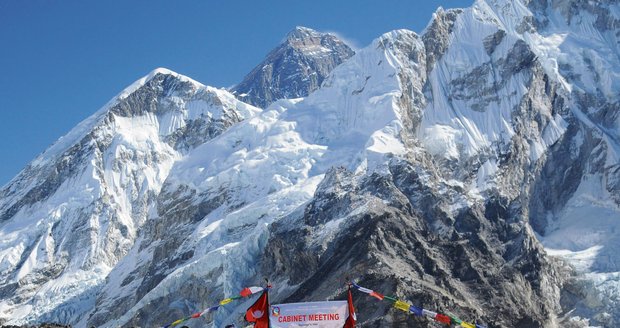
x,y
394,232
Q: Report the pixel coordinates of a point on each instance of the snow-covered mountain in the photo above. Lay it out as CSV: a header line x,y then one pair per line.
x,y
471,169
294,69
69,217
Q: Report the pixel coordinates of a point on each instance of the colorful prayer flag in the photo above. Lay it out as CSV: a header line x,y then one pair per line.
x,y
402,306
377,295
467,325
225,301
390,298
365,290
416,310
443,318
429,313
455,321
213,308
250,290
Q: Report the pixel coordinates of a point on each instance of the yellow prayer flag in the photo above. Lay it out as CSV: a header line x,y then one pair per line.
x,y
226,301
402,306
467,325
177,322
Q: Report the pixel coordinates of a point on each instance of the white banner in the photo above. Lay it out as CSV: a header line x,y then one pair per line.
x,y
312,314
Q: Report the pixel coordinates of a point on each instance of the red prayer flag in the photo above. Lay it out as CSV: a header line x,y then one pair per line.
x,y
377,295
196,315
259,312
249,291
442,318
245,292
350,323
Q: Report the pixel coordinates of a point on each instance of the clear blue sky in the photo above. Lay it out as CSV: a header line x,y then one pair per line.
x,y
60,61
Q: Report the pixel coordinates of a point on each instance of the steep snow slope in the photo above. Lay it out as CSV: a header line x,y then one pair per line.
x,y
219,200
486,94
75,211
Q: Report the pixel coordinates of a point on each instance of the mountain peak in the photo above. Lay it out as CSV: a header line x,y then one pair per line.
x,y
307,40
294,68
165,71
302,32
395,35
147,78
162,70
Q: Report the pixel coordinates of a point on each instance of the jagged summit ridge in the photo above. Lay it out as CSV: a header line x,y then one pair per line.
x,y
144,80
294,69
301,33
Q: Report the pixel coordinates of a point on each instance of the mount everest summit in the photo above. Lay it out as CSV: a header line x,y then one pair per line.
x,y
473,169
294,69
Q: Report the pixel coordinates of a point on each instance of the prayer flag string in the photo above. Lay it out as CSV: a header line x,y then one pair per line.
x,y
244,293
448,319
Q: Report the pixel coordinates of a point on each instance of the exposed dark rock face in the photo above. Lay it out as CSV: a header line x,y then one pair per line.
x,y
294,69
396,235
436,37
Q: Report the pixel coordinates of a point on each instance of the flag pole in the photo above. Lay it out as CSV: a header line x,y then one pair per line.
x,y
267,287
